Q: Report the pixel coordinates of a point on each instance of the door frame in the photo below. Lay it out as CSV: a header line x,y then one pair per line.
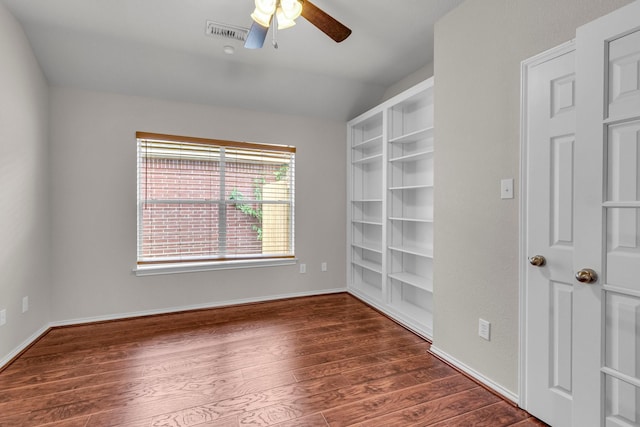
x,y
525,66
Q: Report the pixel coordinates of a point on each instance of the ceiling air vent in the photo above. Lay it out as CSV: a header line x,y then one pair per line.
x,y
227,31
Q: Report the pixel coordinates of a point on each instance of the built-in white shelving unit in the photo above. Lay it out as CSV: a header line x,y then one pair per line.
x,y
390,207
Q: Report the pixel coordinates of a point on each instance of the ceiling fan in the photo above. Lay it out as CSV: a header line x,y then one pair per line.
x,y
281,14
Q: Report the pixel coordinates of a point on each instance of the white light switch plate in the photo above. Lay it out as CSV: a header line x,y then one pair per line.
x,y
506,188
484,329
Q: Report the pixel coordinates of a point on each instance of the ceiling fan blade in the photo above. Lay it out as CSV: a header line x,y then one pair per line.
x,y
324,22
257,35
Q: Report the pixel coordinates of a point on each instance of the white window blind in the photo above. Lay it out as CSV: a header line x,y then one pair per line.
x,y
213,200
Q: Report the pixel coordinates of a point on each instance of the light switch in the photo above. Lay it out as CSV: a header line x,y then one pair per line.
x,y
506,188
484,329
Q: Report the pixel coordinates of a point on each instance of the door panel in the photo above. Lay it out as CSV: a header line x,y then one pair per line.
x,y
623,356
624,74
550,118
621,407
623,343
623,157
562,311
623,185
623,252
607,313
562,190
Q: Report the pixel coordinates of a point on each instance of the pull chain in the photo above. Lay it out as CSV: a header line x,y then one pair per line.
x,y
274,30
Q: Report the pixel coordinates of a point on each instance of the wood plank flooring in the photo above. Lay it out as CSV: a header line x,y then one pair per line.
x,y
306,362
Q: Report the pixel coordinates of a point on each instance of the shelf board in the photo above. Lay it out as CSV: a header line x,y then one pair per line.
x,y
372,266
366,201
411,187
397,218
413,136
625,204
361,221
368,246
411,314
413,250
371,290
413,280
413,156
367,159
361,144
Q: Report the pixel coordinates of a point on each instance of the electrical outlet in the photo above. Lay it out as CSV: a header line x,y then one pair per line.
x,y
303,268
25,304
323,266
3,316
506,188
484,329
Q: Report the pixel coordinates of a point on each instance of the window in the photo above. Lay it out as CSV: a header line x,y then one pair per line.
x,y
213,201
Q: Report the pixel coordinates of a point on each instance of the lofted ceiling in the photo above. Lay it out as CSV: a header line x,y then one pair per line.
x,y
159,48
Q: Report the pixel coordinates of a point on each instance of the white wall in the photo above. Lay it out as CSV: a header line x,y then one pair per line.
x,y
421,74
93,162
24,219
478,50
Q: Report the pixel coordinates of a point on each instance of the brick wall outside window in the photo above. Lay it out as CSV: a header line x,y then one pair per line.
x,y
195,226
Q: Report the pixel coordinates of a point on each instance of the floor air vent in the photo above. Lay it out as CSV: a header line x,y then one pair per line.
x,y
227,31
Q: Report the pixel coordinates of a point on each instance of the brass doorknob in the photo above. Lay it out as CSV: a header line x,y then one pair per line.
x,y
586,275
537,260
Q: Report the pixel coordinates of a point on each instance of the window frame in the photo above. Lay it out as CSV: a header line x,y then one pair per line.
x,y
150,266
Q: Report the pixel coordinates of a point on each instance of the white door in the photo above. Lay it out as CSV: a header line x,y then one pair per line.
x,y
582,307
606,354
549,124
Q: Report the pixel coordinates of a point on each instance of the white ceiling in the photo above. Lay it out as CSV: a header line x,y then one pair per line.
x,y
159,48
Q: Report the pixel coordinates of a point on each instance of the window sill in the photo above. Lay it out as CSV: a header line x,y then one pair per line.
x,y
192,267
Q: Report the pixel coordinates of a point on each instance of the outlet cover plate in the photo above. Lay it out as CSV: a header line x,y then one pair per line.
x,y
506,188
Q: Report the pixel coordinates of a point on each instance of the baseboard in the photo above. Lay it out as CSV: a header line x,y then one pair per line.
x,y
475,375
78,321
22,347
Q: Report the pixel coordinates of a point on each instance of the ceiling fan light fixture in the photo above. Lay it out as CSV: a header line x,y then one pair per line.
x,y
291,9
283,21
267,7
261,18
281,14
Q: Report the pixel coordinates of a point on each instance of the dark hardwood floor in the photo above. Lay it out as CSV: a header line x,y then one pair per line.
x,y
306,362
